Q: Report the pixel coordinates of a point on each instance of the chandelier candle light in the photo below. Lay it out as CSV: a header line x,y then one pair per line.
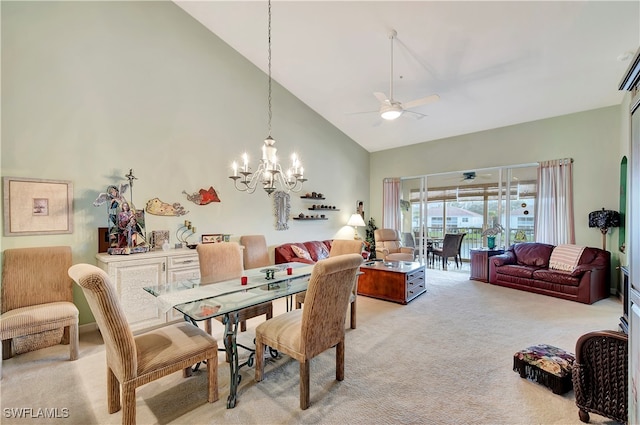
x,y
269,173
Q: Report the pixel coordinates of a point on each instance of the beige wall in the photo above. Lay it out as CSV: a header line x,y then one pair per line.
x,y
92,89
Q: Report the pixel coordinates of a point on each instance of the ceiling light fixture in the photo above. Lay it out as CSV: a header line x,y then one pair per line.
x,y
269,173
391,112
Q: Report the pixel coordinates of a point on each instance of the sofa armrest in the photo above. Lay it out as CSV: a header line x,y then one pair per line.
x,y
503,259
406,250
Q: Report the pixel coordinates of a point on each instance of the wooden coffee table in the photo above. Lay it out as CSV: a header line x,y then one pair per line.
x,y
397,281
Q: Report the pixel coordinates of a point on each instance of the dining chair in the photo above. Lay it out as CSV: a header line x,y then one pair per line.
x,y
304,334
223,261
255,253
37,299
449,249
133,361
342,247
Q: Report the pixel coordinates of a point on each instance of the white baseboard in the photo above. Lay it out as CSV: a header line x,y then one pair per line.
x,y
87,327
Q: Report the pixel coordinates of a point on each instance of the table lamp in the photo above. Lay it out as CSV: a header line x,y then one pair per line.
x,y
603,220
356,220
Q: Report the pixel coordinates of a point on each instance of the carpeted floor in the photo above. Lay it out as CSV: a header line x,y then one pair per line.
x,y
445,358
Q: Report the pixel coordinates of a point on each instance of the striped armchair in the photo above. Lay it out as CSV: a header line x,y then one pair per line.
x,y
37,299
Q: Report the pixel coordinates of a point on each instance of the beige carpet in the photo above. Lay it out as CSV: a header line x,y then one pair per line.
x,y
445,358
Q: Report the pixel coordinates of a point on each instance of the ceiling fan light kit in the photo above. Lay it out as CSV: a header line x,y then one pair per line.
x,y
390,112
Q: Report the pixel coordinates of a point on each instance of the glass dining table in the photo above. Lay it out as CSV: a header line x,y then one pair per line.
x,y
197,300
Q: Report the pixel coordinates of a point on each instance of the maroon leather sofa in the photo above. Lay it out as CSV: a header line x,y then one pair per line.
x,y
525,266
317,250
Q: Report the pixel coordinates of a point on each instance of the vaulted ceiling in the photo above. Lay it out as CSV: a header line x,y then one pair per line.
x,y
493,64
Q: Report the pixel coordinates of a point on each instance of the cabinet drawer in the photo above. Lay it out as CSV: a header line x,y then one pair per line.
x,y
183,261
415,288
417,275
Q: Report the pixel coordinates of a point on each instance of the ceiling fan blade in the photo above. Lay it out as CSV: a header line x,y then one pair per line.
x,y
363,112
413,114
381,97
420,102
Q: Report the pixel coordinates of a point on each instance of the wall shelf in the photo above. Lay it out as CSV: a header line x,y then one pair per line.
x,y
311,197
310,218
323,209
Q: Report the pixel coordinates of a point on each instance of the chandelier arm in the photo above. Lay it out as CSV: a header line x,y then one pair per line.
x,y
269,68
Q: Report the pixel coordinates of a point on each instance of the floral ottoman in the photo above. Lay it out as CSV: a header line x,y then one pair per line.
x,y
546,365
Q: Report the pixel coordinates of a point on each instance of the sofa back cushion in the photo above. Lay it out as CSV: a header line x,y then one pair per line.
x,y
533,253
317,249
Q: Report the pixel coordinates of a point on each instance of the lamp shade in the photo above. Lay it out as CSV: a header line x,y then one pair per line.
x,y
356,220
604,219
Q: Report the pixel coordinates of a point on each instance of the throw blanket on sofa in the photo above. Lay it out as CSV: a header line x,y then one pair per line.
x,y
565,257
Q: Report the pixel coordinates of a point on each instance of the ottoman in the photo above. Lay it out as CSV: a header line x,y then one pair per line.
x,y
546,365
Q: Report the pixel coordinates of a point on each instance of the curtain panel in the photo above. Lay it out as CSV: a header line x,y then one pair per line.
x,y
554,204
391,203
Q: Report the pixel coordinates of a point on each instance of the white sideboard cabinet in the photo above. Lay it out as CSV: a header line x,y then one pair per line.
x,y
131,273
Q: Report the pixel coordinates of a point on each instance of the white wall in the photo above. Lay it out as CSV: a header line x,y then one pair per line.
x,y
92,89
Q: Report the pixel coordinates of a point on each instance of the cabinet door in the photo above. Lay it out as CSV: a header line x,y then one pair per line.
x,y
130,278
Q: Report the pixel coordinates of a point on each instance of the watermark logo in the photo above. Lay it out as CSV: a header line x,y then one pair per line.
x,y
35,413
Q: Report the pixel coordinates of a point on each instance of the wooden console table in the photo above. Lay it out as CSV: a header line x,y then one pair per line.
x,y
397,281
480,263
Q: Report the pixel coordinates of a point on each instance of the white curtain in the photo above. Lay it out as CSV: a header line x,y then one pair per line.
x,y
554,204
391,203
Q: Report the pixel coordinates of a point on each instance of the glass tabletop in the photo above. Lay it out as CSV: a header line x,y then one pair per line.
x,y
200,300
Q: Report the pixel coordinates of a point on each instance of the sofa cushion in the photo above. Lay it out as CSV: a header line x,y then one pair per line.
x,y
317,249
556,276
516,270
533,254
565,257
300,252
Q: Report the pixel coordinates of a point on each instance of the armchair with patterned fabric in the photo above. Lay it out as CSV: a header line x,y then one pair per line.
x,y
389,247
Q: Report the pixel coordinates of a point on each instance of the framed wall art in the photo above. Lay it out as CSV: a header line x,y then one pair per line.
x,y
37,206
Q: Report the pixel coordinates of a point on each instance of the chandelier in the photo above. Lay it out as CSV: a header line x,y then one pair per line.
x,y
269,174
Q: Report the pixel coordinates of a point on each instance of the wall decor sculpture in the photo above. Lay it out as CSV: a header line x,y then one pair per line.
x,y
125,222
203,197
156,207
281,209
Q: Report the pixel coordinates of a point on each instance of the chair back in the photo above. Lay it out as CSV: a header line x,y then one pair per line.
x,y
345,246
255,252
219,261
387,239
32,276
105,306
460,238
450,244
326,302
407,240
600,374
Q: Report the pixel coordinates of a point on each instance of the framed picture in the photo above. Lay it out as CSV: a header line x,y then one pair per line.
x,y
360,208
37,206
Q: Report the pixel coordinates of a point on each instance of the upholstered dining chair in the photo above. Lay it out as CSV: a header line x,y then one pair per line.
x,y
389,247
303,334
223,261
600,375
255,253
37,298
133,361
450,249
342,247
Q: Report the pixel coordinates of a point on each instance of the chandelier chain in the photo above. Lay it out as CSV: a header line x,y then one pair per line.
x,y
269,66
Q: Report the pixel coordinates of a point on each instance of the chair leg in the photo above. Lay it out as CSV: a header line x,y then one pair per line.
x,y
259,359
298,305
352,319
207,326
304,384
243,326
583,415
340,360
6,349
74,341
212,375
113,392
128,404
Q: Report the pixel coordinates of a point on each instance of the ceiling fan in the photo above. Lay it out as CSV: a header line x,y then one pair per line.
x,y
390,108
472,175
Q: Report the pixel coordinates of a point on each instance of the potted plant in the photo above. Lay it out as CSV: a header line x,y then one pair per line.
x,y
370,238
491,234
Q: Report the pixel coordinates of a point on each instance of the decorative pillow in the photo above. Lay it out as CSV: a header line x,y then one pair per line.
x,y
565,257
300,253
